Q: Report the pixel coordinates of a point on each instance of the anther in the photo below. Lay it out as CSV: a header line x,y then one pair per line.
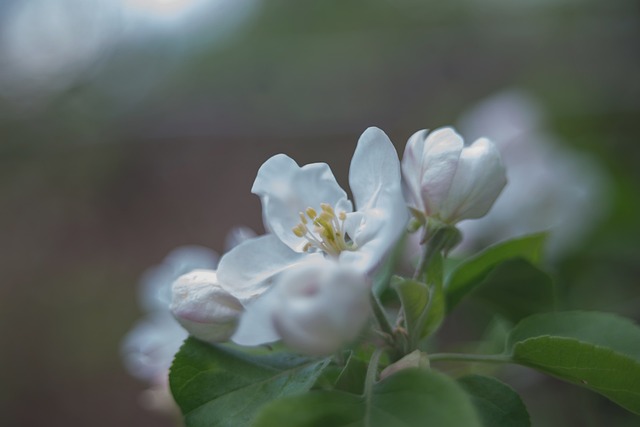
x,y
327,208
299,230
325,217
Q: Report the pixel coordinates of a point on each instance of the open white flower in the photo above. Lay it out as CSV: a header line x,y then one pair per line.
x,y
311,220
310,216
447,181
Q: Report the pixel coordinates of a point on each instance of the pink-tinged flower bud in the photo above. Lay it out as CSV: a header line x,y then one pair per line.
x,y
203,307
447,181
321,310
314,308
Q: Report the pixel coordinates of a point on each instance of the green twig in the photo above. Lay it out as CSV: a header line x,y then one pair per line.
x,y
460,357
381,317
369,382
433,245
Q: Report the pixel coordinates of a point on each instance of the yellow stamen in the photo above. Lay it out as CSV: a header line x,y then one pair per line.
x,y
327,208
299,230
328,233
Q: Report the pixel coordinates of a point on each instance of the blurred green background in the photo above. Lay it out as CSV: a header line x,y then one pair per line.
x,y
128,128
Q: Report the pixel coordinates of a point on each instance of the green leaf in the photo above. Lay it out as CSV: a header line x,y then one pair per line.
x,y
436,313
352,377
414,297
497,403
516,289
423,307
218,387
470,273
599,351
412,397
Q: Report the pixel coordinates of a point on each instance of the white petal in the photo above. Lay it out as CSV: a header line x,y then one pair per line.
x,y
440,157
149,347
479,179
154,291
382,214
256,324
247,269
375,170
203,307
376,234
187,258
236,236
286,189
412,169
155,284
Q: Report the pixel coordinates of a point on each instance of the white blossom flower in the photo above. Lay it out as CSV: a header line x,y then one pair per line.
x,y
203,307
447,181
311,219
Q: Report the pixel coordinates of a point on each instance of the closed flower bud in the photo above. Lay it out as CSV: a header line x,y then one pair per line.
x,y
321,310
314,309
447,181
203,307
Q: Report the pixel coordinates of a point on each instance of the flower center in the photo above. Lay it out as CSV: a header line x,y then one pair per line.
x,y
324,231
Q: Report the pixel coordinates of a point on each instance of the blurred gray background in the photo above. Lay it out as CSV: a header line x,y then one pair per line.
x,y
130,127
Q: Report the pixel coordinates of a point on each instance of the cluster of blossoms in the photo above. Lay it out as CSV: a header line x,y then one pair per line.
x,y
307,281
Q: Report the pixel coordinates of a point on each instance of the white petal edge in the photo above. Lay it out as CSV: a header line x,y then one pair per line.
x,y
376,183
246,271
374,169
479,179
412,168
256,324
440,157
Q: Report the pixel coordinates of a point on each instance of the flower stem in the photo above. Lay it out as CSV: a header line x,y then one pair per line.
x,y
460,357
381,317
433,245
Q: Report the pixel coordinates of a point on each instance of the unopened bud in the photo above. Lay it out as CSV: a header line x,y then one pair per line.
x,y
448,181
203,307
